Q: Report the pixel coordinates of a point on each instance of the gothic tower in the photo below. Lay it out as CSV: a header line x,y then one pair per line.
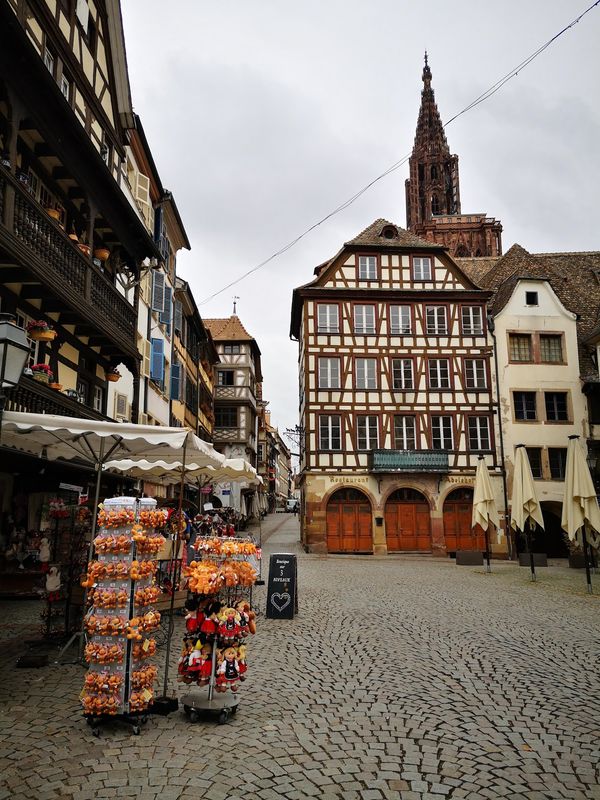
x,y
433,192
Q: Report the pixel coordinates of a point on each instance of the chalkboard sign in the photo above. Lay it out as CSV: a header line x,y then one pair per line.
x,y
282,589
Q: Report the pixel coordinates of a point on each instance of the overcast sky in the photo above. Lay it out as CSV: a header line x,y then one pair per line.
x,y
264,115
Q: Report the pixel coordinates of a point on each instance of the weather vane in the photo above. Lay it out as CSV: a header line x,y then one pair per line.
x,y
235,299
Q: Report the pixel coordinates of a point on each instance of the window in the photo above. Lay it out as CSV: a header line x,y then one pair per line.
x,y
435,204
519,347
441,433
439,373
475,377
225,377
556,406
83,389
402,373
329,373
330,432
557,457
531,298
472,320
367,268
49,60
436,319
421,268
367,432
479,433
366,373
404,433
231,349
400,320
177,377
534,454
364,319
65,86
551,348
327,318
98,399
525,408
226,417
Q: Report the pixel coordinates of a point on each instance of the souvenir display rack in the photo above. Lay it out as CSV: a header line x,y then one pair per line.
x,y
219,619
121,618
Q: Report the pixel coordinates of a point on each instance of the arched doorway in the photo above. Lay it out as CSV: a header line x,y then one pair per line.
x,y
458,513
552,540
407,522
349,527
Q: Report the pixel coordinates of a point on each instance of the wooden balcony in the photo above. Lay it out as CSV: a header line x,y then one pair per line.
x,y
389,461
235,395
36,398
37,253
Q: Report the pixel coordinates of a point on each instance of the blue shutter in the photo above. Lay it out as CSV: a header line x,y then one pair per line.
x,y
158,291
158,222
165,315
157,360
176,381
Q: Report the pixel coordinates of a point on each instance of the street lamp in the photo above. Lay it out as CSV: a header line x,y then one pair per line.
x,y
14,352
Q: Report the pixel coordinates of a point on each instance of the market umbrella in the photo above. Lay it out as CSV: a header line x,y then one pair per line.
x,y
484,507
94,442
525,508
580,504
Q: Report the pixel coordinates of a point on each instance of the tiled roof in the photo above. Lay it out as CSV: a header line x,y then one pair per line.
x,y
575,277
373,236
229,330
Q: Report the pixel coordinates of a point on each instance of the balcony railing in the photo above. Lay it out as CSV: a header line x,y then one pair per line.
x,y
47,252
36,398
409,461
239,394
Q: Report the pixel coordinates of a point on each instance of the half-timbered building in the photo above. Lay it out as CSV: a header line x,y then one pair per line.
x,y
395,397
238,376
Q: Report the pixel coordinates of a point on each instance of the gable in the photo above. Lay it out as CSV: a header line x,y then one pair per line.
x,y
394,271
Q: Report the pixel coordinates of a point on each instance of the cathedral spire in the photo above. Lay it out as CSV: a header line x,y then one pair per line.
x,y
432,190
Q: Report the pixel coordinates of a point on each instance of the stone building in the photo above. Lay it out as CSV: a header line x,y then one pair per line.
x,y
433,208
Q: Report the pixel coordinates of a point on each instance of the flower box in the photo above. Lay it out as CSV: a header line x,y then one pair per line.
x,y
56,386
40,331
112,376
42,373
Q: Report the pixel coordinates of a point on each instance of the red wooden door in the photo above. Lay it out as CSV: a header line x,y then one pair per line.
x,y
407,522
458,533
349,523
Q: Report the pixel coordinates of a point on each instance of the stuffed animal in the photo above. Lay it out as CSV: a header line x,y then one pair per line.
x,y
205,670
44,554
241,659
53,584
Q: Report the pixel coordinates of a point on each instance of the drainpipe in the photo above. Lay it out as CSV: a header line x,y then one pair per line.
x,y
507,533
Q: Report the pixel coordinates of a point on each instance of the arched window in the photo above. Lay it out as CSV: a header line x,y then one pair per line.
x,y
435,206
461,251
434,173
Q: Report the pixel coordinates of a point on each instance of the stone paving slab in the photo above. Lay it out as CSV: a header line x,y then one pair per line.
x,y
400,678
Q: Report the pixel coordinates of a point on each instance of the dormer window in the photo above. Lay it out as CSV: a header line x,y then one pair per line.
x,y
389,232
367,268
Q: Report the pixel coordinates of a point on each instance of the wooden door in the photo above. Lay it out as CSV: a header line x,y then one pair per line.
x,y
407,522
458,533
349,523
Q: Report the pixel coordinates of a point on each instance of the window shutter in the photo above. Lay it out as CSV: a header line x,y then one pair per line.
x,y
178,316
157,360
175,381
158,291
121,407
158,222
165,314
82,12
147,353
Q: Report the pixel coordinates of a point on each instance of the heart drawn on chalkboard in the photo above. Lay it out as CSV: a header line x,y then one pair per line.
x,y
281,601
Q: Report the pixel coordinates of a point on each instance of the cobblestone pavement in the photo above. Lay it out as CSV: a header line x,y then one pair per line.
x,y
399,678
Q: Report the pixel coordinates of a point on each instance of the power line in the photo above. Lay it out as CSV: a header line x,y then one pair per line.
x,y
343,206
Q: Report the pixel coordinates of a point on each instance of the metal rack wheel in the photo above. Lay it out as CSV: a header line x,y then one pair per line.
x,y
187,710
194,717
96,732
223,716
233,709
136,730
